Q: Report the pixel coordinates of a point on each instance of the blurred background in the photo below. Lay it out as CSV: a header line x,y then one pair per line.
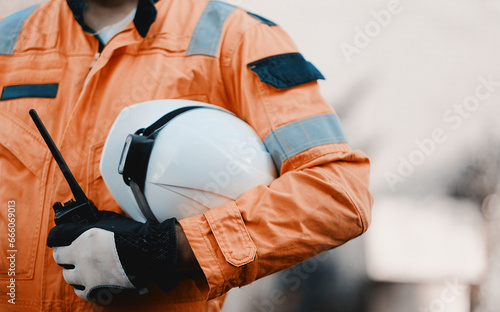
x,y
417,87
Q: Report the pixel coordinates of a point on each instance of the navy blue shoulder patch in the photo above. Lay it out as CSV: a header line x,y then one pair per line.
x,y
262,19
285,70
10,28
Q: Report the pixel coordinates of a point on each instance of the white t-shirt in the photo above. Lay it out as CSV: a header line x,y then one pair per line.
x,y
108,32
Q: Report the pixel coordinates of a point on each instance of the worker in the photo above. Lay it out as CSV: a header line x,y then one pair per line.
x,y
79,63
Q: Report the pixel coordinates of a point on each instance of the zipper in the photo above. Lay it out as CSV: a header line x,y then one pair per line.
x,y
96,57
94,61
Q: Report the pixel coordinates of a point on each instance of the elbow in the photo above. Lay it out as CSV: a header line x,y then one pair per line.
x,y
356,179
362,202
349,180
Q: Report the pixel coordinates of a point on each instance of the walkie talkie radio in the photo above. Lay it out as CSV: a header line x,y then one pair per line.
x,y
80,210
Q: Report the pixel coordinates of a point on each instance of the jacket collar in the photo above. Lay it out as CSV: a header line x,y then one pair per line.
x,y
144,17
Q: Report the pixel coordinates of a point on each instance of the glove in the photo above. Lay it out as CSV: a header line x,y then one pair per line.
x,y
115,252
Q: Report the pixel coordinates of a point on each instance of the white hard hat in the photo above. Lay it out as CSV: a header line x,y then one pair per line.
x,y
179,158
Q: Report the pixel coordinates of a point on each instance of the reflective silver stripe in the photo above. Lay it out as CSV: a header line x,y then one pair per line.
x,y
208,30
296,137
10,28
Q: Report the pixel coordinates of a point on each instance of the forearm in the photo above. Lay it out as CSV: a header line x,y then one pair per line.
x,y
268,229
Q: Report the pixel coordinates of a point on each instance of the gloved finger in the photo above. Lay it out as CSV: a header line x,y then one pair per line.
x,y
104,294
75,279
65,234
101,292
81,249
82,293
64,256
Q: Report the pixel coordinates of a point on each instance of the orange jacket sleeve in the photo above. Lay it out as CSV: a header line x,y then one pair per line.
x,y
321,198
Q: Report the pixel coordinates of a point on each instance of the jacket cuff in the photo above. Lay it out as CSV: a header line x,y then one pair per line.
x,y
223,248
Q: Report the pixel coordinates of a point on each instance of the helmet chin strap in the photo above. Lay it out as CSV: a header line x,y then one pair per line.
x,y
142,202
137,151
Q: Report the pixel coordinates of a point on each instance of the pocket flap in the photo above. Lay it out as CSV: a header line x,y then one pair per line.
x,y
231,234
22,141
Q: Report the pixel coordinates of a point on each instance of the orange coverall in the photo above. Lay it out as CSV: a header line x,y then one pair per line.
x,y
202,50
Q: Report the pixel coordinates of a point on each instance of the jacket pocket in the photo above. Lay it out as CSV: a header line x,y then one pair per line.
x,y
23,163
40,88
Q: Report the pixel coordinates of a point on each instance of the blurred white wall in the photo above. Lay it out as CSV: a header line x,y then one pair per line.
x,y
402,76
9,7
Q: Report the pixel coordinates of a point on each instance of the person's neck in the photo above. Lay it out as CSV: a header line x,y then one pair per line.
x,y
102,13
